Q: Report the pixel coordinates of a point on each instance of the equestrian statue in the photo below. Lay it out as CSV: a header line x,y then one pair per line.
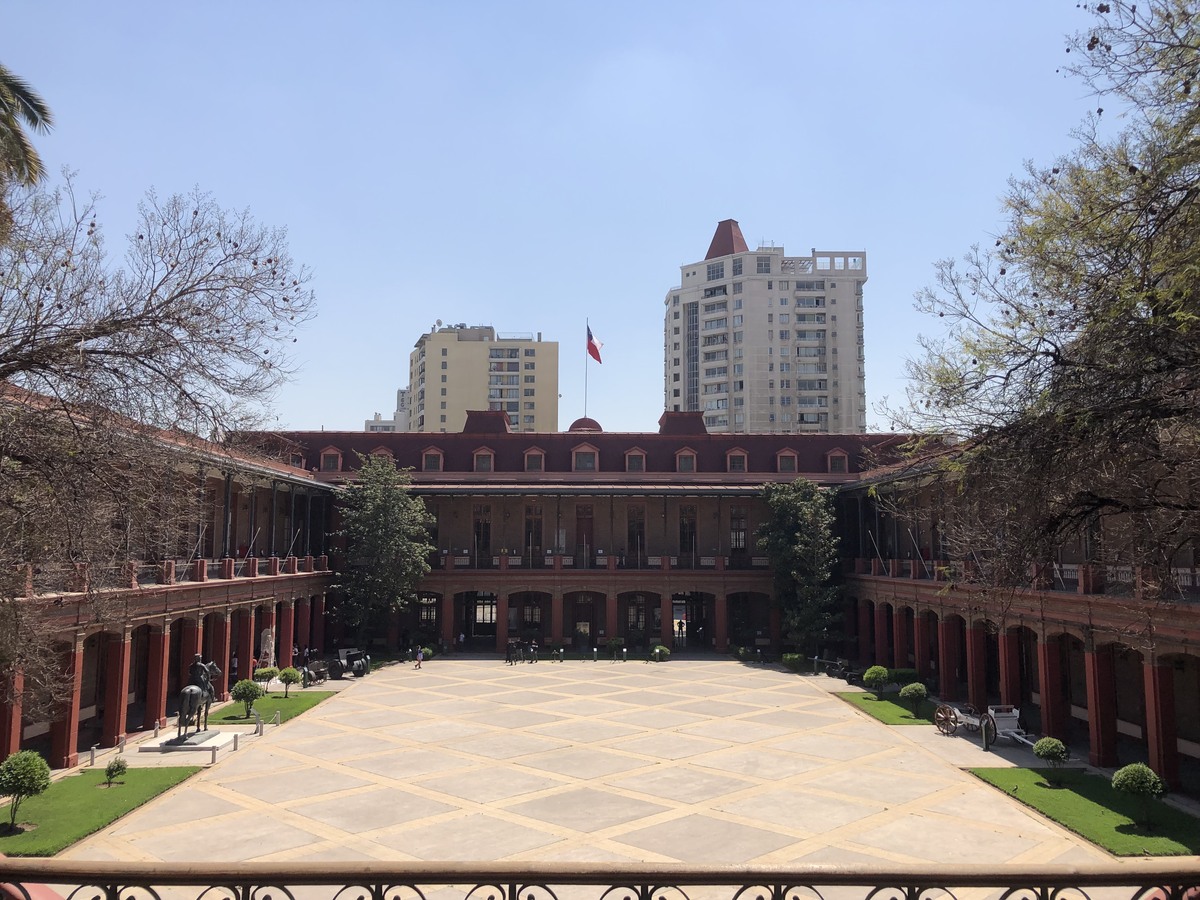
x,y
198,696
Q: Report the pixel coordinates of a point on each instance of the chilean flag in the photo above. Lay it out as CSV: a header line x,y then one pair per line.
x,y
593,346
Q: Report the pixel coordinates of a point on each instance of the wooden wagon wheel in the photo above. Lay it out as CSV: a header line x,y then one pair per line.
x,y
987,725
945,720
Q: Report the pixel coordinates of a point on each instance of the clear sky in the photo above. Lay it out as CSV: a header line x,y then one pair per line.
x,y
532,165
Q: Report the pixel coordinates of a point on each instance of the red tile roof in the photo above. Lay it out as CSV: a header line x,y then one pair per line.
x,y
727,240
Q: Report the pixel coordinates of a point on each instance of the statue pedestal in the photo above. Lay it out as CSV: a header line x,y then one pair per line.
x,y
205,741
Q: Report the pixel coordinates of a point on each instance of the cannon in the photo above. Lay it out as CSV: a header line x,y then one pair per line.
x,y
350,661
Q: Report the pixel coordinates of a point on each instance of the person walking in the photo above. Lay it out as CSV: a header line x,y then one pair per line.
x,y
420,656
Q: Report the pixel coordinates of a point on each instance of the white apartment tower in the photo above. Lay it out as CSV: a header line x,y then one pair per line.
x,y
456,368
763,342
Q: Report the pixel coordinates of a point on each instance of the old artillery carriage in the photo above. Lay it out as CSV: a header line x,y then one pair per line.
x,y
350,661
997,722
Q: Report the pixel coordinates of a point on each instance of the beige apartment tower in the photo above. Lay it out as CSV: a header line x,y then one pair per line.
x,y
764,342
456,368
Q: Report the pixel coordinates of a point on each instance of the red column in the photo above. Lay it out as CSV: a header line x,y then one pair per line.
x,y
1100,671
156,676
882,655
556,619
64,731
501,622
245,645
666,624
287,633
303,623
449,631
921,644
1050,685
189,646
864,632
977,666
948,659
219,652
900,637
1161,736
10,716
610,617
1010,666
318,624
721,625
116,688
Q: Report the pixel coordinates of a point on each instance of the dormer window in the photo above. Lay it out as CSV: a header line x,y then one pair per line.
x,y
431,460
635,461
838,462
484,461
331,460
785,462
735,460
585,459
685,461
535,461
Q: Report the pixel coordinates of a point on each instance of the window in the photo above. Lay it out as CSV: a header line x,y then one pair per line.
x,y
685,462
534,461
837,463
530,352
716,271
737,462
530,379
445,365
529,366
783,317
787,462
737,266
635,462
585,461
443,351
483,461
737,528
764,265
528,392
331,461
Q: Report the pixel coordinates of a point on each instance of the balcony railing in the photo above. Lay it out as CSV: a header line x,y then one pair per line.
x,y
77,879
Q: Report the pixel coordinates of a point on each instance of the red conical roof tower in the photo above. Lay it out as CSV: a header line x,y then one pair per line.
x,y
727,240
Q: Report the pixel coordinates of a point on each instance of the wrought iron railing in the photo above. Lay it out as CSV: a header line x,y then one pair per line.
x,y
932,880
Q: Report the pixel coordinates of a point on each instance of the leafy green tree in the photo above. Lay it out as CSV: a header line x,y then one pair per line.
x,y
246,692
266,674
1139,780
914,694
288,677
24,774
798,538
874,680
20,108
1067,357
115,769
386,530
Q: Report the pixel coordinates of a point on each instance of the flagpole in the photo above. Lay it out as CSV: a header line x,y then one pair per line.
x,y
586,354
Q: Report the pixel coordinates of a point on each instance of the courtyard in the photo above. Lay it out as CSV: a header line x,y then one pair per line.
x,y
694,761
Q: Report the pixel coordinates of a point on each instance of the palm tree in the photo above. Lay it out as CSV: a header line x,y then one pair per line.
x,y
19,103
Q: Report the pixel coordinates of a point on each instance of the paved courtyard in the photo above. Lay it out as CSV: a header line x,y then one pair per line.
x,y
694,761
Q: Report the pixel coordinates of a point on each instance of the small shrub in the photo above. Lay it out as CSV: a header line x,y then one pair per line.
x,y
1053,751
22,775
289,676
661,653
266,674
1141,781
430,653
115,769
795,662
247,691
874,679
914,694
903,676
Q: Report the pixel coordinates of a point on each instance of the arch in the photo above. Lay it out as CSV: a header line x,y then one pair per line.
x,y
529,615
639,618
477,613
583,619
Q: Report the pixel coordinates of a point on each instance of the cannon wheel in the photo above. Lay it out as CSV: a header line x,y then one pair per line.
x,y
987,726
945,720
335,670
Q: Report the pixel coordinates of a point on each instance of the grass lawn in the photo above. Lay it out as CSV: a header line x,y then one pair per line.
x,y
76,806
890,710
1087,805
297,701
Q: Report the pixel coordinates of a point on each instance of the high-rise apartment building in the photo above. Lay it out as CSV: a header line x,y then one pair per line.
x,y
456,368
399,420
764,342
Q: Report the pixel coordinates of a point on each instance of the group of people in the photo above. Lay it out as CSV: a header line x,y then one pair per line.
x,y
521,651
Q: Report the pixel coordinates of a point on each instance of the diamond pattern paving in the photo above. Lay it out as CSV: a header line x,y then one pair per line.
x,y
693,761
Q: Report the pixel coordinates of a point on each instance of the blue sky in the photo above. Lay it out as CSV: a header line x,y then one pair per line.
x,y
532,165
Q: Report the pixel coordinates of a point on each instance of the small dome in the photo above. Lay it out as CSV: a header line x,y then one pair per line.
x,y
585,424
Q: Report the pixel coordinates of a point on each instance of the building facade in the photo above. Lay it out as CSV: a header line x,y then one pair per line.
x,y
457,368
400,420
762,342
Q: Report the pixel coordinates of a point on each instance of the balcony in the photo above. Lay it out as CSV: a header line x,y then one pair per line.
x,y
1137,880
